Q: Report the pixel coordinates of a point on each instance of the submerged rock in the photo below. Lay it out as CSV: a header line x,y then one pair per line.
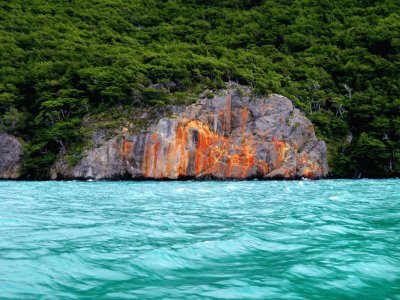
x,y
227,137
10,156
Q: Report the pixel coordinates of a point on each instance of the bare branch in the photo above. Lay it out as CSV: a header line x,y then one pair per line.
x,y
348,89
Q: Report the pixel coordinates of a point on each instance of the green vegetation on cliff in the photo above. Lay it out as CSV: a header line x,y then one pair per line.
x,y
338,60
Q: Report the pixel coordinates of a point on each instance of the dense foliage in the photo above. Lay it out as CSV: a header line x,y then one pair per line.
x,y
338,60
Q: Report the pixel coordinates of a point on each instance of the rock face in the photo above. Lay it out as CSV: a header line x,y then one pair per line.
x,y
227,137
10,156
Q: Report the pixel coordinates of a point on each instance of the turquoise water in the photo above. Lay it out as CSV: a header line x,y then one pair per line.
x,y
333,239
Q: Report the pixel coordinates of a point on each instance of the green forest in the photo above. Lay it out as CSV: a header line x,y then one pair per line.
x,y
339,61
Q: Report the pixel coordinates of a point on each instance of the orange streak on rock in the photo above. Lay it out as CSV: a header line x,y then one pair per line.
x,y
311,168
262,168
147,161
211,148
155,155
233,161
203,152
171,154
248,159
309,174
181,152
242,161
280,147
162,162
126,148
215,154
286,173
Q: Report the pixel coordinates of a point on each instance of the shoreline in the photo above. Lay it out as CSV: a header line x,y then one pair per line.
x,y
197,180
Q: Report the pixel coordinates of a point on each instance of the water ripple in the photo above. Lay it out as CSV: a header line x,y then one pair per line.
x,y
336,239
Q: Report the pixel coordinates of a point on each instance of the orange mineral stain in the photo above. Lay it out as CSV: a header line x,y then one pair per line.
x,y
262,168
127,147
249,155
147,161
308,174
169,172
181,150
280,147
204,151
155,155
215,154
232,162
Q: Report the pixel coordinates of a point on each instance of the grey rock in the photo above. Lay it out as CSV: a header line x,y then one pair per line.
x,y
10,157
228,136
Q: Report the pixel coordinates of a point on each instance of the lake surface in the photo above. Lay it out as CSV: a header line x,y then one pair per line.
x,y
332,239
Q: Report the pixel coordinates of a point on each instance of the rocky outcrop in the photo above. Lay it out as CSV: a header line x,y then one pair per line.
x,y
227,137
10,156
